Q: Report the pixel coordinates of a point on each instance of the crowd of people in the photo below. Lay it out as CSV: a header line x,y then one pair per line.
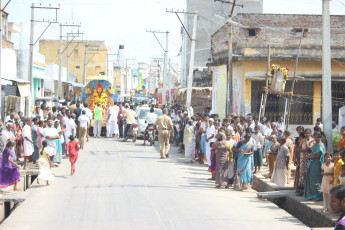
x,y
238,146
43,139
235,148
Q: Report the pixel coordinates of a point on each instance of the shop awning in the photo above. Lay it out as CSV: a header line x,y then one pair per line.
x,y
24,89
74,84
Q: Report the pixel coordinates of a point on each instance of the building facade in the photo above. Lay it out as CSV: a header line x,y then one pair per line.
x,y
96,56
283,34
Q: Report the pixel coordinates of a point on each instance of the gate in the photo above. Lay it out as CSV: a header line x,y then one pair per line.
x,y
301,109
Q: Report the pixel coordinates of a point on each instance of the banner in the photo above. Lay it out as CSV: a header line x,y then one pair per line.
x,y
219,91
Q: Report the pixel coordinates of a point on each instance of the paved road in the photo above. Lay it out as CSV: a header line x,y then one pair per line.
x,y
125,186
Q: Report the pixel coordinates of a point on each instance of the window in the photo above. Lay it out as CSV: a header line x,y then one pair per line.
x,y
299,32
76,51
77,67
252,32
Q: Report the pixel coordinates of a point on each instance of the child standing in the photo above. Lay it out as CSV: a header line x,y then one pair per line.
x,y
45,163
338,162
259,139
212,168
341,178
72,148
326,185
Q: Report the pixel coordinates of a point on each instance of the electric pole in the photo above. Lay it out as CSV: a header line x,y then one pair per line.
x,y
32,43
59,93
230,91
165,77
326,75
191,65
84,71
192,54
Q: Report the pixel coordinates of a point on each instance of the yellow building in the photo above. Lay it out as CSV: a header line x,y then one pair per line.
x,y
250,53
96,56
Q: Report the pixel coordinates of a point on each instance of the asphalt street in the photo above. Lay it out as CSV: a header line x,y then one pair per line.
x,y
121,185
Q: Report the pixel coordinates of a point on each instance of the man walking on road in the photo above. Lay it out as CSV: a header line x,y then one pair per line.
x,y
97,125
130,116
164,126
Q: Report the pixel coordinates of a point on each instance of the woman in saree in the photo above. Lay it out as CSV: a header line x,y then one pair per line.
x,y
297,159
306,149
280,172
314,175
244,170
40,135
223,150
19,143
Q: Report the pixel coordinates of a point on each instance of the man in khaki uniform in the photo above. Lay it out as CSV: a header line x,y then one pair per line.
x,y
164,126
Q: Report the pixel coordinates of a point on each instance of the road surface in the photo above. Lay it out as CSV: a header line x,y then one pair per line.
x,y
126,186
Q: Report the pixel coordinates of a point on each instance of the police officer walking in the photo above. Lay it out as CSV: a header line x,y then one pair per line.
x,y
164,126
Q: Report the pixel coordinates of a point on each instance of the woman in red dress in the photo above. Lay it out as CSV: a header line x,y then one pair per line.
x,y
72,147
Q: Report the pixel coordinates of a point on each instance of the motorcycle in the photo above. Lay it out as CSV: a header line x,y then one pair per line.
x,y
150,136
132,132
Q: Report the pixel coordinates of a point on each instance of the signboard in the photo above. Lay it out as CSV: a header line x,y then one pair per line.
x,y
219,91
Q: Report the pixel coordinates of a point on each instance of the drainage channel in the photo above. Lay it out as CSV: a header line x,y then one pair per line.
x,y
285,198
309,216
10,200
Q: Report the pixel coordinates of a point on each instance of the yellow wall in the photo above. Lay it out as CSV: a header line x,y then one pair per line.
x,y
96,57
259,68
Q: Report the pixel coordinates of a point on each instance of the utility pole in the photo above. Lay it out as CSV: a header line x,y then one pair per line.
x,y
230,91
59,93
84,71
165,77
192,54
191,64
293,82
267,79
32,43
326,75
31,51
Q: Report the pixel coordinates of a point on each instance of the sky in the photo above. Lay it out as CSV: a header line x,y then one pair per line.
x,y
124,22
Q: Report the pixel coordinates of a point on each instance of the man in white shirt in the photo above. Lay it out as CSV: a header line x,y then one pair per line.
x,y
10,118
259,139
28,144
150,120
51,135
7,134
130,116
281,124
89,115
39,114
116,113
70,127
84,122
210,133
